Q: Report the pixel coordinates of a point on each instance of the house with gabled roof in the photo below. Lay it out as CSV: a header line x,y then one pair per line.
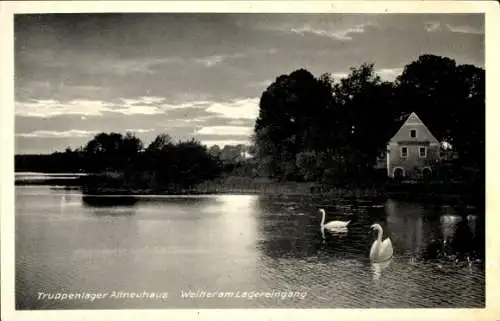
x,y
413,151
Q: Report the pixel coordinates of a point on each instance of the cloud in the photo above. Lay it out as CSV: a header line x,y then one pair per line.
x,y
238,108
389,74
237,122
186,104
138,65
58,134
332,32
464,29
210,61
261,84
434,26
26,89
139,130
95,62
225,130
52,108
139,110
142,100
141,105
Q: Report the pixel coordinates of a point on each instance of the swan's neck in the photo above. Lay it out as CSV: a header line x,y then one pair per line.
x,y
379,237
322,219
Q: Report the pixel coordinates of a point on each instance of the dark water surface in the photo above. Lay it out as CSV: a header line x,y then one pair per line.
x,y
163,247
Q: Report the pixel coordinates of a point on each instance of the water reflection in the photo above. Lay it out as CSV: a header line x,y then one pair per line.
x,y
70,199
410,234
242,242
472,222
378,268
108,201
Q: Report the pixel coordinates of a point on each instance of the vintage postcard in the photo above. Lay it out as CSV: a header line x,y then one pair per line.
x,y
275,160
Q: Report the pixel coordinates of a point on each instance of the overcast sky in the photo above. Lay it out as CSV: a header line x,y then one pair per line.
x,y
199,75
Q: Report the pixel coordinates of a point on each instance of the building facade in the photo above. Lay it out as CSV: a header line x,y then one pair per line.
x,y
413,152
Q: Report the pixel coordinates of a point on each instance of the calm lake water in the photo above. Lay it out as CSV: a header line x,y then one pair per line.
x,y
163,247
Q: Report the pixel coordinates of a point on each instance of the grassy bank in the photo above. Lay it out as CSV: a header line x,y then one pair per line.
x,y
227,185
74,182
266,186
117,184
458,192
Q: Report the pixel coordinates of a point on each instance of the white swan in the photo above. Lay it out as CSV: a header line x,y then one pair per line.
x,y
450,219
333,226
471,217
380,250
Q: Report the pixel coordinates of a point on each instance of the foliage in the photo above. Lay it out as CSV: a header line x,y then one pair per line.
x,y
309,129
161,142
450,100
320,129
111,151
121,161
69,161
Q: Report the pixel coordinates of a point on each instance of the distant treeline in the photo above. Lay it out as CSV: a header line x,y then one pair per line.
x,y
121,161
66,162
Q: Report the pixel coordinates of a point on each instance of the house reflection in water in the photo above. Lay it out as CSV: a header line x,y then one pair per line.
x,y
405,223
449,220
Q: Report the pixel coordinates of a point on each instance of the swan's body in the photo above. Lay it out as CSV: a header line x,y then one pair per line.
x,y
451,219
333,226
381,250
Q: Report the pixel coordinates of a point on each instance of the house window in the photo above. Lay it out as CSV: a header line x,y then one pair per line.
x,y
413,133
404,152
422,152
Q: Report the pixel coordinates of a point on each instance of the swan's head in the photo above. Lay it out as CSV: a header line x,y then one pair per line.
x,y
321,211
471,217
376,227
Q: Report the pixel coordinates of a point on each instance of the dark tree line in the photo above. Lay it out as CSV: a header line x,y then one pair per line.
x,y
68,161
320,128
123,161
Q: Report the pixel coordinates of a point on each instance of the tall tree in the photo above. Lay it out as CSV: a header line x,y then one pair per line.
x,y
365,113
161,142
111,151
450,100
131,147
290,119
428,87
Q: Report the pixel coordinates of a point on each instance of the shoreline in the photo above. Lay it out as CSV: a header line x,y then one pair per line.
x,y
410,192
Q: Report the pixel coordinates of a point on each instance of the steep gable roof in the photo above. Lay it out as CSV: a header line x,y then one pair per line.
x,y
423,134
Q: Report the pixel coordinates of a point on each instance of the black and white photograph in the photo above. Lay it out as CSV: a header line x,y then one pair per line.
x,y
248,160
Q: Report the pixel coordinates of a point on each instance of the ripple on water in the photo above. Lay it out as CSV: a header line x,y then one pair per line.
x,y
245,244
